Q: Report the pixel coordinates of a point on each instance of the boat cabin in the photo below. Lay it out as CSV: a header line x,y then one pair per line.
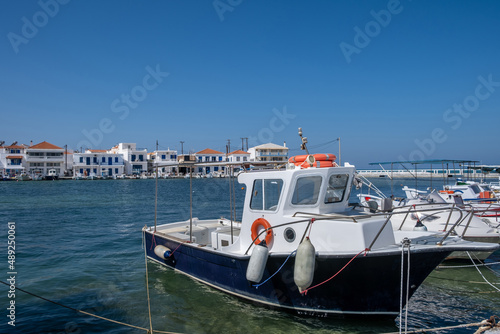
x,y
281,206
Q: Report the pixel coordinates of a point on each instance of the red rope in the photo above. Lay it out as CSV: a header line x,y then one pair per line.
x,y
178,247
310,228
153,240
338,272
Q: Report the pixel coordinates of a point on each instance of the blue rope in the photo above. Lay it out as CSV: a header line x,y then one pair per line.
x,y
257,285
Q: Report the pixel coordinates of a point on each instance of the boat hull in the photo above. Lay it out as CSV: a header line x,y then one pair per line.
x,y
369,285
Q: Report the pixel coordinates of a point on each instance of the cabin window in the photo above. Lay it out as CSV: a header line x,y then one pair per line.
x,y
475,189
306,190
266,194
336,190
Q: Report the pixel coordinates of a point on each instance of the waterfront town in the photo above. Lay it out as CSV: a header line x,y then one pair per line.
x,y
46,161
125,160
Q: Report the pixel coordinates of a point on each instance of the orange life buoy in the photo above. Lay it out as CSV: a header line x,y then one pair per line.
x,y
265,225
317,157
317,163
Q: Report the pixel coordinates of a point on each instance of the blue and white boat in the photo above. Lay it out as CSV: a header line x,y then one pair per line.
x,y
321,256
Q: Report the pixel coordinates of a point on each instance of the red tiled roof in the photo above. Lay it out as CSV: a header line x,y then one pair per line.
x,y
14,157
209,151
46,146
15,146
98,151
239,152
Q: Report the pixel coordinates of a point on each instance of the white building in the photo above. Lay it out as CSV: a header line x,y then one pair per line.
x,y
209,155
163,158
98,163
269,152
12,160
135,160
238,156
42,157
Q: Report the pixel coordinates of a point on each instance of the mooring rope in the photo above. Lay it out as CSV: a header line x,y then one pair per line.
x,y
147,285
404,243
484,325
480,273
407,287
87,313
469,265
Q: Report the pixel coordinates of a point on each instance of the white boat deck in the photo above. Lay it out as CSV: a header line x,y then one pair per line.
x,y
214,233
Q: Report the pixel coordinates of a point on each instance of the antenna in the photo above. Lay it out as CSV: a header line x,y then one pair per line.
x,y
182,147
304,142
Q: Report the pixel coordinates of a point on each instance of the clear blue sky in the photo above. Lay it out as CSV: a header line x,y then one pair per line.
x,y
384,76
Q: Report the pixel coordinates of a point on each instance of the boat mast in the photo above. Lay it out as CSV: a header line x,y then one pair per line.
x,y
340,160
156,183
190,204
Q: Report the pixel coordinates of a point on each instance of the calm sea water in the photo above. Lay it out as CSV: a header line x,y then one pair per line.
x,y
79,243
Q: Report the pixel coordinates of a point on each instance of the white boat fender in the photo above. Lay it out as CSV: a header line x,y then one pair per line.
x,y
419,226
303,272
163,252
257,262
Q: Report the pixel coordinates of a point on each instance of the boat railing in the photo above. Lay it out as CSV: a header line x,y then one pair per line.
x,y
355,219
470,212
370,185
452,208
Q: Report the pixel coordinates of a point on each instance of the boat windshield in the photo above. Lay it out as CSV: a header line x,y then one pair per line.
x,y
266,194
307,190
475,188
336,190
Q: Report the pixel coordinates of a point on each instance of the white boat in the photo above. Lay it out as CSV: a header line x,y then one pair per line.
x,y
429,211
23,177
473,195
51,175
301,247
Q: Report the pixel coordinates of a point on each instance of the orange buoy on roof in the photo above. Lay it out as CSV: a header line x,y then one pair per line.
x,y
318,164
318,157
314,160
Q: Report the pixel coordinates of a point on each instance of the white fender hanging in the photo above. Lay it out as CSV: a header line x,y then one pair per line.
x,y
162,252
303,272
257,262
